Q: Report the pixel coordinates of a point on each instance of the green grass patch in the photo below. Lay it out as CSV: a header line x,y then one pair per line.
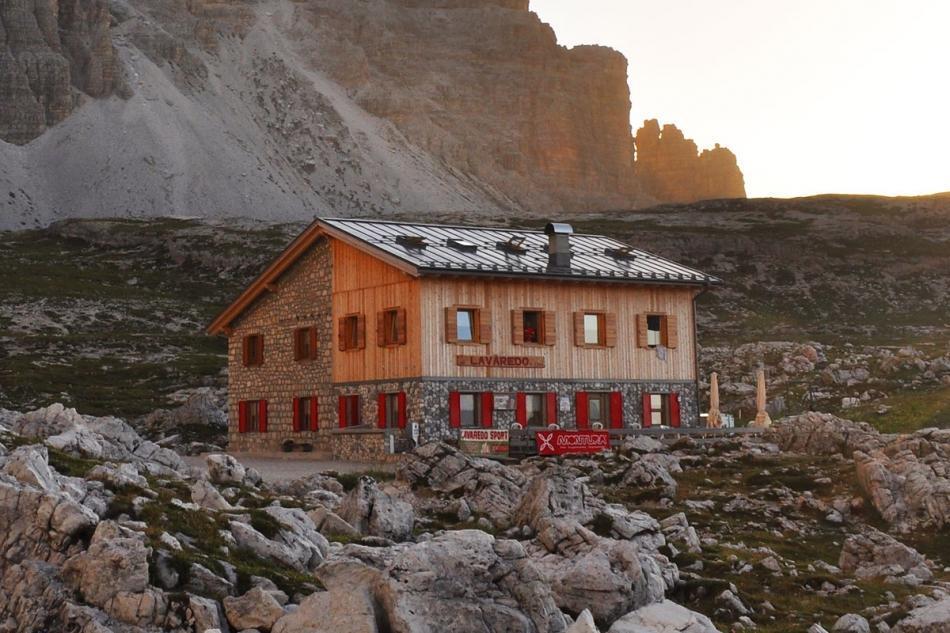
x,y
909,411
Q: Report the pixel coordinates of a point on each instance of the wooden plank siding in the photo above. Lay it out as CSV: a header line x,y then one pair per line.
x,y
563,360
363,284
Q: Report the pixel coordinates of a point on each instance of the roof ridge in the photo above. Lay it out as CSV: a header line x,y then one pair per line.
x,y
466,227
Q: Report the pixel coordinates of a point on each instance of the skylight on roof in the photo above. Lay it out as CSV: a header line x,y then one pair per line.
x,y
461,245
514,245
411,241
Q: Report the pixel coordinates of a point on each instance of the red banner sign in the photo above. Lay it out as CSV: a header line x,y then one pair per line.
x,y
571,442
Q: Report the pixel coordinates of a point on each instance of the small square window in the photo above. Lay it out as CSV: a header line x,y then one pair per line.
x,y
533,324
465,325
390,327
654,330
305,343
252,416
598,408
658,408
253,350
351,410
392,410
304,408
593,329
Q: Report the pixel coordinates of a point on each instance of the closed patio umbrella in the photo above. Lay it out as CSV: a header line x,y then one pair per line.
x,y
762,419
713,420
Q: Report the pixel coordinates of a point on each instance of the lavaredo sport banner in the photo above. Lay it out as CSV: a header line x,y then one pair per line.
x,y
484,442
568,442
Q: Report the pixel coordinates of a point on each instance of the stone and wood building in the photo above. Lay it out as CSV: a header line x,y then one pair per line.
x,y
363,336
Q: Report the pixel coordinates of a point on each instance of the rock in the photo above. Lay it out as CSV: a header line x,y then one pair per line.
x,y
374,512
583,624
729,602
663,617
824,434
206,615
224,469
204,582
207,496
653,470
116,562
878,555
350,611
851,623
268,585
331,524
671,168
118,476
642,444
30,465
490,488
297,544
256,609
676,529
930,618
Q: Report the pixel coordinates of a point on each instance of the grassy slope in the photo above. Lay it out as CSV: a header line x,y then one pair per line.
x,y
109,316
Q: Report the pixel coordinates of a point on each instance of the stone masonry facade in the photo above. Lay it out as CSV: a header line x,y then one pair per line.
x,y
302,298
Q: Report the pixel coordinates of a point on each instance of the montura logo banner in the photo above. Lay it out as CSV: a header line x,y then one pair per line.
x,y
566,442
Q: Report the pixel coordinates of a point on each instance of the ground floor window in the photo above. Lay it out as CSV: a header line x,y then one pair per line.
x,y
661,409
392,411
598,409
252,416
469,409
536,409
350,411
305,414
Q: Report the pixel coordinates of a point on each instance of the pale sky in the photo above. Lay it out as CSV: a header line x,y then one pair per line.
x,y
813,96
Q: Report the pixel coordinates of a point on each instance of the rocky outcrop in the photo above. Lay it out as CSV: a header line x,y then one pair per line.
x,y
877,555
663,617
52,53
929,618
824,434
373,511
670,168
256,609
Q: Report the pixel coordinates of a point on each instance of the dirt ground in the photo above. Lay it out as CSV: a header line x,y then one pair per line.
x,y
280,468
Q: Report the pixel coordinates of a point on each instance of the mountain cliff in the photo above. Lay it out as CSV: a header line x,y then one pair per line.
x,y
280,110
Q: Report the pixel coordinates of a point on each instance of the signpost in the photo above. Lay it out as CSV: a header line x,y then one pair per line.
x,y
484,442
510,362
572,442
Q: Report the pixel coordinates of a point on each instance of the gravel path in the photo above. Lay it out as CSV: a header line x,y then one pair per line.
x,y
287,468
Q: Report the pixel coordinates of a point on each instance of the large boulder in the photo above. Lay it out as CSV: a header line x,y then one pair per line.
x,y
653,470
116,562
224,469
875,554
375,512
207,496
30,465
663,617
341,611
256,609
930,618
297,543
490,488
824,434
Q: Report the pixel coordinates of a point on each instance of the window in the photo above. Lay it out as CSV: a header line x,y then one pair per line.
x,y
593,329
658,409
534,409
305,344
391,416
305,414
469,409
598,408
465,325
654,330
352,332
350,411
252,416
532,324
253,350
391,327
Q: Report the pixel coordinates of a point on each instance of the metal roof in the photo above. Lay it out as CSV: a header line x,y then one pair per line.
x,y
434,249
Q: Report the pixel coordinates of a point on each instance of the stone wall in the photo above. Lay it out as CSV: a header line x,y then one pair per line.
x,y
302,298
361,445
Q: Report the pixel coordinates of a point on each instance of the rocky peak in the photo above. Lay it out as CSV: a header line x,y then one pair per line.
x,y
671,168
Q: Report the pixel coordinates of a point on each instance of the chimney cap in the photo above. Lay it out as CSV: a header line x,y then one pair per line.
x,y
558,228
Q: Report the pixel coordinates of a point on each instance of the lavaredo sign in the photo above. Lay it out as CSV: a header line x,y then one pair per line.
x,y
484,442
572,442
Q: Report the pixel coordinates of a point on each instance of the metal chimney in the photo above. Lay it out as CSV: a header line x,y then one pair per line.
x,y
559,246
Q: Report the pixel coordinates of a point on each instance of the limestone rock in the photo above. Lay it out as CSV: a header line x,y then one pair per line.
x,y
30,465
350,611
583,624
206,614
116,562
878,555
824,434
930,618
663,617
256,609
373,511
851,623
207,496
224,469
331,524
672,170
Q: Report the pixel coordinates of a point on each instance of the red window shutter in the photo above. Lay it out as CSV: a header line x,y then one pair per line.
x,y
401,410
647,418
582,413
381,413
342,412
296,414
488,409
242,417
550,407
675,410
616,410
314,423
263,415
521,409
455,409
